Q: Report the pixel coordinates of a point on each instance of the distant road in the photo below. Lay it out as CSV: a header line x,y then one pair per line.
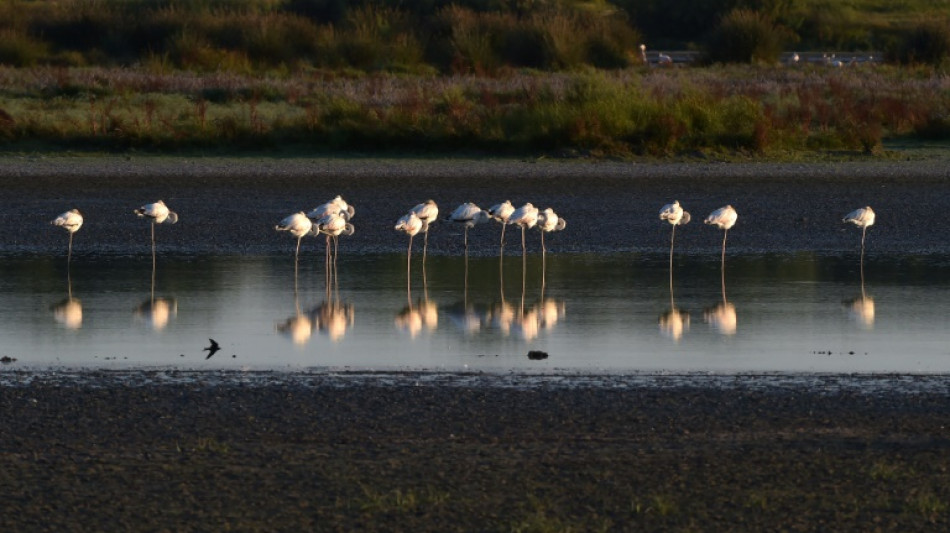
x,y
681,57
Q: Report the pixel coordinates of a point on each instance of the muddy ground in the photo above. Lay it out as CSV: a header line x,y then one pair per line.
x,y
230,206
390,454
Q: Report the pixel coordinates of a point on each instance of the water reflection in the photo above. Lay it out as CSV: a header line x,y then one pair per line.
x,y
861,311
722,316
157,312
423,313
68,311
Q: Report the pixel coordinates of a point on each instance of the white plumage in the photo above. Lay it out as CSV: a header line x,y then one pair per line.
x,y
336,206
500,213
296,224
862,217
71,220
157,212
674,214
410,224
469,214
723,218
548,221
525,217
427,213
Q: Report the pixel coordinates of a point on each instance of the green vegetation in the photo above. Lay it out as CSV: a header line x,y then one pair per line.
x,y
656,112
556,77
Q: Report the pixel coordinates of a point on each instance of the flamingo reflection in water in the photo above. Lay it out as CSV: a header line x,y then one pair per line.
x,y
423,314
68,312
331,317
157,312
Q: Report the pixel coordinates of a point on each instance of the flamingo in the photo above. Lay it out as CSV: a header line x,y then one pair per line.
x,y
337,206
664,60
159,213
410,224
643,54
674,214
501,212
863,218
297,225
428,213
525,217
723,218
71,221
333,226
469,215
548,221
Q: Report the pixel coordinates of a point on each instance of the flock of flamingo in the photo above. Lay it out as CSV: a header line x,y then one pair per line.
x,y
332,219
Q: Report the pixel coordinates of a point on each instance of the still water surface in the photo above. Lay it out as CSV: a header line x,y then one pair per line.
x,y
594,313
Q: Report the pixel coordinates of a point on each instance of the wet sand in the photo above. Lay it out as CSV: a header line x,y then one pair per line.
x,y
400,453
230,206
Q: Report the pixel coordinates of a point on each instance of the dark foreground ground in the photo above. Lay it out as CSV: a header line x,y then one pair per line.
x,y
393,455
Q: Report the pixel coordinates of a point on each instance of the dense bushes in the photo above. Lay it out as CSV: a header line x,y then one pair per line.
x,y
928,43
745,36
752,110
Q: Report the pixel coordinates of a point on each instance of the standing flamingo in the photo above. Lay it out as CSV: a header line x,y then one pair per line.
x,y
863,218
158,212
674,214
723,218
428,213
336,206
469,214
71,221
299,226
501,212
333,226
410,224
525,217
548,221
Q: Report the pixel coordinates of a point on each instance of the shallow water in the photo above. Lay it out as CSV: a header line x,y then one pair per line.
x,y
597,313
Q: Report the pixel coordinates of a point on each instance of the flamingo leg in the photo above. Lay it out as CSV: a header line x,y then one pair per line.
x,y
863,233
543,249
523,249
503,224
466,240
69,254
153,262
336,250
425,242
672,238
296,260
409,265
724,235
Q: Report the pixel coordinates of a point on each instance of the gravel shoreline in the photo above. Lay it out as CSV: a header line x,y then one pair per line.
x,y
388,453
230,205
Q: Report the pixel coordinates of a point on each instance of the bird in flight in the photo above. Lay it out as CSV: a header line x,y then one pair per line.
x,y
213,349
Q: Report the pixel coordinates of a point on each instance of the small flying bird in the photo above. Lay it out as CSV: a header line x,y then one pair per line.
x,y
863,218
525,217
71,221
157,213
213,349
500,213
548,221
469,214
674,214
336,206
297,225
428,213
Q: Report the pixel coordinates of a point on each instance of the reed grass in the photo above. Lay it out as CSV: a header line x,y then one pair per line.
x,y
636,111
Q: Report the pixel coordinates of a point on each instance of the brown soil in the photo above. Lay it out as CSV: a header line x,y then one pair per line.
x,y
389,454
